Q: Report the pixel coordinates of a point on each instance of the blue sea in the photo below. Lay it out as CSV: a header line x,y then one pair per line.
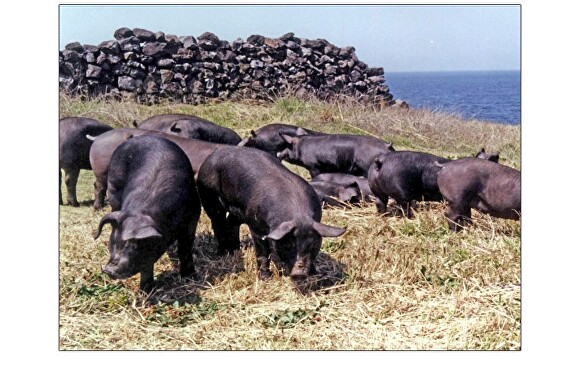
x,y
482,95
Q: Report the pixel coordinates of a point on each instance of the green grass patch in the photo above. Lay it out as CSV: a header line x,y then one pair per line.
x,y
181,314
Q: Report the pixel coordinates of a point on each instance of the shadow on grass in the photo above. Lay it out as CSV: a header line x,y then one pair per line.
x,y
211,269
329,274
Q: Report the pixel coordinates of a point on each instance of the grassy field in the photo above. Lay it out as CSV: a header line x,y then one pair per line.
x,y
388,282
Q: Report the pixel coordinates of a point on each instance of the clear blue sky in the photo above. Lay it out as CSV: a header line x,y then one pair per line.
x,y
398,38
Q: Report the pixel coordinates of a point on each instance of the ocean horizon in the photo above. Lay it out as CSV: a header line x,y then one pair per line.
x,y
493,96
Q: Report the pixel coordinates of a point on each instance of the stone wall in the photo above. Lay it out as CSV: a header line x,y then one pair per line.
x,y
145,66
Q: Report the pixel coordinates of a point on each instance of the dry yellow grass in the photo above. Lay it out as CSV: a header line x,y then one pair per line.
x,y
387,283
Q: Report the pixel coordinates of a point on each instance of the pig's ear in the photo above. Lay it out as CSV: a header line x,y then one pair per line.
x,y
288,139
326,230
494,158
354,185
114,219
175,127
280,231
301,132
139,227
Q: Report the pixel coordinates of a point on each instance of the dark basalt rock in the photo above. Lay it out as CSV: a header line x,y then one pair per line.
x,y
93,71
156,50
257,40
71,56
143,35
130,43
109,47
128,83
90,48
209,37
74,46
123,33
188,41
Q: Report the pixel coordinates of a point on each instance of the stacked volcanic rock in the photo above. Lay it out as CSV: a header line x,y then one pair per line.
x,y
146,66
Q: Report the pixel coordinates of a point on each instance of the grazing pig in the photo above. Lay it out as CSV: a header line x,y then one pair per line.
x,y
334,194
154,202
188,126
104,146
245,185
486,156
268,138
405,176
74,150
346,179
486,186
334,153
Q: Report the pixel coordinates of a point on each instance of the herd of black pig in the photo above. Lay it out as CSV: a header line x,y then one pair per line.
x,y
157,177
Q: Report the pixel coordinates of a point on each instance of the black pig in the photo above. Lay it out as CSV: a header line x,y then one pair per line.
x,y
486,186
346,179
335,194
268,138
188,126
74,150
334,153
154,201
245,185
104,146
405,176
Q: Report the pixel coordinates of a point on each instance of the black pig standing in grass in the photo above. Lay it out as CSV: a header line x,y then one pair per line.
x,y
189,126
334,153
74,150
405,176
268,138
486,186
245,185
154,201
104,146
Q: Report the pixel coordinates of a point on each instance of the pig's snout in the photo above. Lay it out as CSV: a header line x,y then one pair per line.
x,y
112,270
299,271
109,271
